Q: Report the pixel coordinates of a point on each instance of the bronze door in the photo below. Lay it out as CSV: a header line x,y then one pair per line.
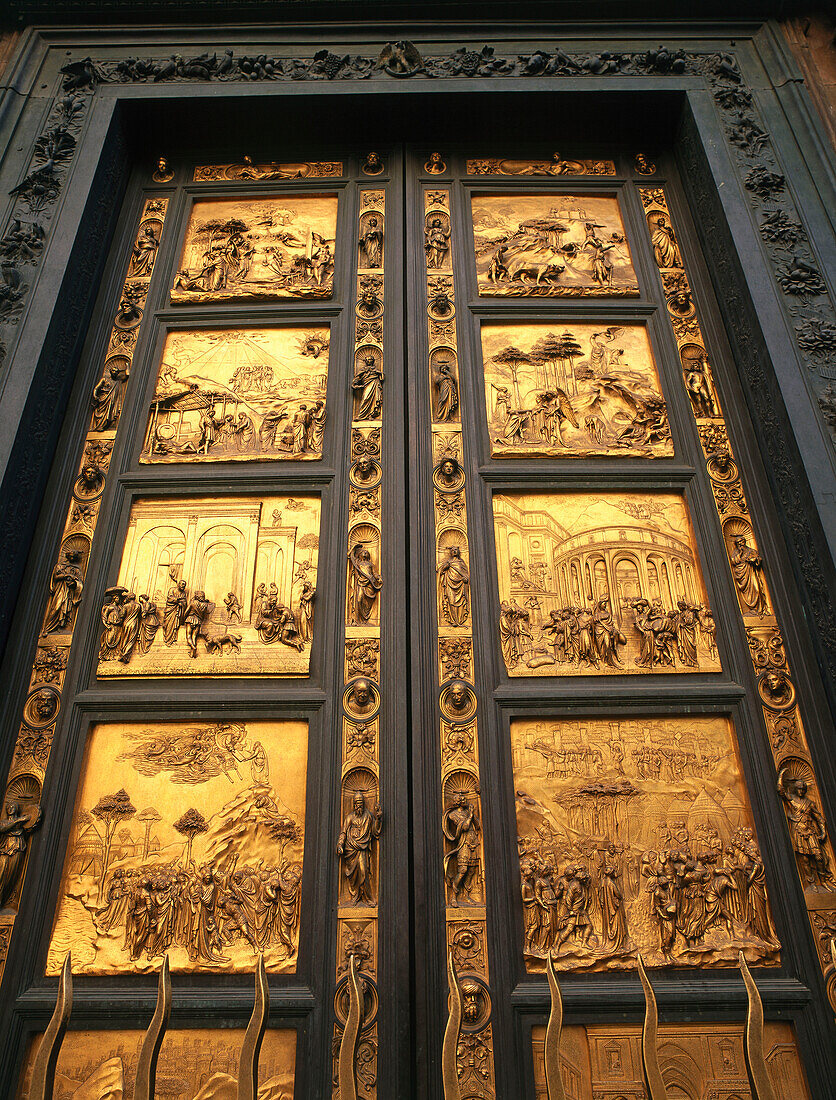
x,y
416,618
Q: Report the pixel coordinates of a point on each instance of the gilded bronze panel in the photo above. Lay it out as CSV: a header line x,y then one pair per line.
x,y
186,840
199,1063
699,1060
258,249
300,170
636,835
600,584
551,245
228,395
585,390
214,587
557,166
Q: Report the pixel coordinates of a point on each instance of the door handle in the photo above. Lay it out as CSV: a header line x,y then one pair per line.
x,y
449,1050
650,1046
43,1071
253,1036
152,1040
755,1057
351,1034
554,1082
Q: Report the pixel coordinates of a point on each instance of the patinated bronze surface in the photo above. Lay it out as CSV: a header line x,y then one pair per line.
x,y
551,246
636,836
258,249
573,390
199,1063
600,584
696,1060
186,840
222,586
228,395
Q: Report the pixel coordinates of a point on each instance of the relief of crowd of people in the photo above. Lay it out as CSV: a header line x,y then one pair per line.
x,y
132,623
232,252
587,635
694,894
202,909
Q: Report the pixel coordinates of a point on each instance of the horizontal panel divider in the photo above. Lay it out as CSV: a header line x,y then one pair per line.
x,y
689,996
586,476
257,479
554,690
271,692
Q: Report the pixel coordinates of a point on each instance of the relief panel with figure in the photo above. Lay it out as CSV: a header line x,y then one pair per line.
x,y
586,390
194,1064
636,836
227,395
186,840
601,584
258,249
696,1060
551,245
223,586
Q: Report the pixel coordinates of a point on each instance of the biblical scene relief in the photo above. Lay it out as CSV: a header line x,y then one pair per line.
x,y
636,836
551,245
194,1064
588,390
227,395
697,1061
600,585
186,841
222,586
258,249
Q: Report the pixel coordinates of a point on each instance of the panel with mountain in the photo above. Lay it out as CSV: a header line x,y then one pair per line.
x,y
551,245
194,1064
636,836
186,840
588,390
600,584
232,394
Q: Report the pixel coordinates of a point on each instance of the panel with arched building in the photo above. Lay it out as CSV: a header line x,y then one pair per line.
x,y
215,587
600,584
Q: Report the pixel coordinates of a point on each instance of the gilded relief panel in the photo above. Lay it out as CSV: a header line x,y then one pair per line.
x,y
198,1064
588,390
600,584
186,841
214,587
227,395
636,836
258,249
697,1060
551,245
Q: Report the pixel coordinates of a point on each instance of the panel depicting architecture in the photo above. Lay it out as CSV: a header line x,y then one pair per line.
x,y
194,1064
551,245
600,584
222,586
636,835
231,394
586,390
258,249
186,840
698,1062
